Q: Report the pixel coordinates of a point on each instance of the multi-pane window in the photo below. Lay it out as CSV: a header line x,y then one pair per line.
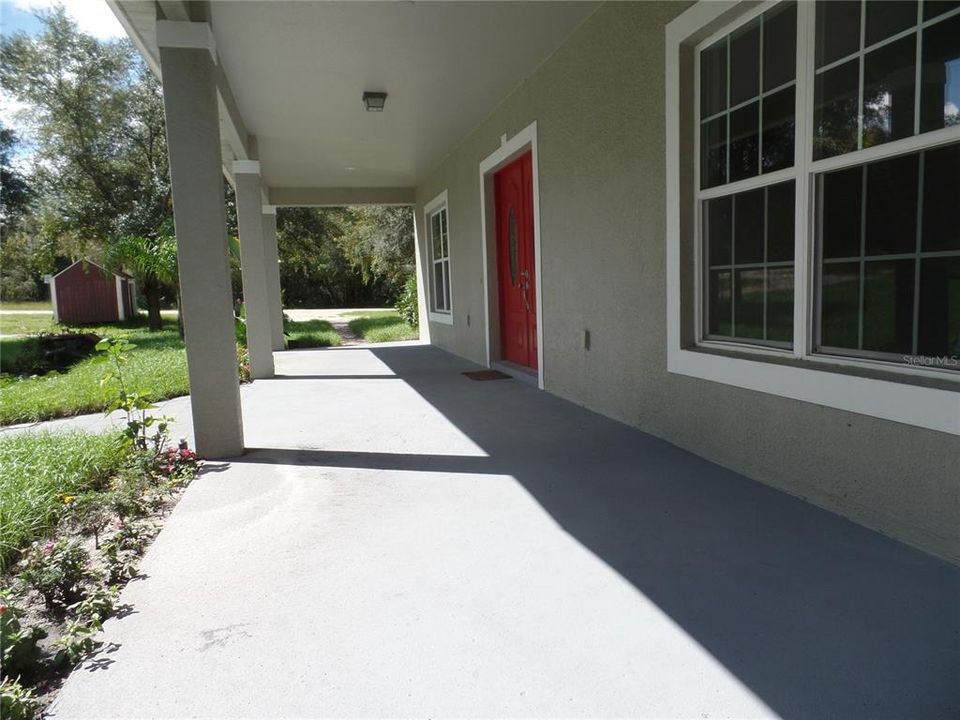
x,y
884,71
440,261
749,252
747,99
858,146
890,256
747,126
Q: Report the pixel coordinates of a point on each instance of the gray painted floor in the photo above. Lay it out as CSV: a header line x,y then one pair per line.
x,y
403,541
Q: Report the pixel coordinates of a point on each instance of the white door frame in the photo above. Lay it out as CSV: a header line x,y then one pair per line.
x,y
508,151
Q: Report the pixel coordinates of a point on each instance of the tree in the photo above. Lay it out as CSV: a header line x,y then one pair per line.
x,y
21,273
378,241
96,115
15,191
152,259
313,269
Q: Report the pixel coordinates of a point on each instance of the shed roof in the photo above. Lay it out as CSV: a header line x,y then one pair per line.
x,y
98,265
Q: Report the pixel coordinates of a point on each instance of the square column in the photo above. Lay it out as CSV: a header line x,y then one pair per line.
x,y
254,267
193,140
272,257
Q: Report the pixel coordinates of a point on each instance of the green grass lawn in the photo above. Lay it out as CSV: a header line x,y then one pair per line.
x,y
370,312
157,367
38,470
385,326
33,305
16,324
310,333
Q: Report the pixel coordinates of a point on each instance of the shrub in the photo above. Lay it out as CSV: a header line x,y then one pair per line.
x,y
56,570
98,604
407,304
243,363
77,641
89,513
122,551
19,649
121,565
16,701
126,497
177,464
133,404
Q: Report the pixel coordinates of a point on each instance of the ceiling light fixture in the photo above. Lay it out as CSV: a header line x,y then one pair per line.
x,y
374,101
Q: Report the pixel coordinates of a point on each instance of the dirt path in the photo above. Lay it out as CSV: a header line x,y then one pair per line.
x,y
346,334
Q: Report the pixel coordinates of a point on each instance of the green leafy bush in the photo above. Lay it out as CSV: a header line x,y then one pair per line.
x,y
143,431
77,641
16,701
98,603
176,464
56,570
243,364
19,649
89,513
122,551
407,305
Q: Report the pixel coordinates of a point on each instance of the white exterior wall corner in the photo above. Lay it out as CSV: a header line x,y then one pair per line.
x,y
602,179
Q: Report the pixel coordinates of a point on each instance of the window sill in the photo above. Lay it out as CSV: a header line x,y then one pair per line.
x,y
898,395
442,318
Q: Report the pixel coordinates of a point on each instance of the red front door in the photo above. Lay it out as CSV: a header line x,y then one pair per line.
x,y
513,189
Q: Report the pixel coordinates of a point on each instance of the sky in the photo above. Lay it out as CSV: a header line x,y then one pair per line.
x,y
92,16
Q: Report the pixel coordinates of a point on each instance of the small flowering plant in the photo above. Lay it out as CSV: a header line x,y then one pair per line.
x,y
177,464
57,570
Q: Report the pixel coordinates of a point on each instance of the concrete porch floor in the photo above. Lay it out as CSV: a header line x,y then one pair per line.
x,y
403,541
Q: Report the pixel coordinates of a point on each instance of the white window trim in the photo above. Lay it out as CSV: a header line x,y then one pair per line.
x,y
510,149
432,207
926,407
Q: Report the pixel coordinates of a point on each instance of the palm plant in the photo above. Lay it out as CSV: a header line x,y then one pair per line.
x,y
153,262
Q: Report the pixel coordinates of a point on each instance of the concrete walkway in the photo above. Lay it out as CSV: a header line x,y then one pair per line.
x,y
403,541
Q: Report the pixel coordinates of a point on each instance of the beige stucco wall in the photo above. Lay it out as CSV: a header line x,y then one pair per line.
x,y
599,107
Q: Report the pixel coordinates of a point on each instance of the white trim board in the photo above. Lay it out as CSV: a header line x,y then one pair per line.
x,y
186,35
121,313
53,299
509,150
440,201
925,407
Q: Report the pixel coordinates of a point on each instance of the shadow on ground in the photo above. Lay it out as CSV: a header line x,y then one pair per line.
x,y
819,617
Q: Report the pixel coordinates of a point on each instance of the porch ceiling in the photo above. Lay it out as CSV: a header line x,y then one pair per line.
x,y
297,71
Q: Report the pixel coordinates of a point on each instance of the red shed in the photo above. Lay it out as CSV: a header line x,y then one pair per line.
x,y
87,293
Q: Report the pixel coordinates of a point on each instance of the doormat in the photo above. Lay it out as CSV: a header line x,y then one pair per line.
x,y
486,375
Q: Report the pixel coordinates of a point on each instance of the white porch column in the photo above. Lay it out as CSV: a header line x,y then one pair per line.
x,y
272,259
254,268
193,139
